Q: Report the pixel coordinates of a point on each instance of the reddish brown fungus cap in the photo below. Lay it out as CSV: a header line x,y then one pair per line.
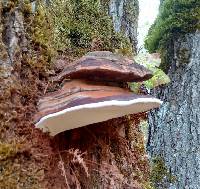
x,y
80,103
105,66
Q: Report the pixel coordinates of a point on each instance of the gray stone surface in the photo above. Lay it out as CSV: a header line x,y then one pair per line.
x,y
174,131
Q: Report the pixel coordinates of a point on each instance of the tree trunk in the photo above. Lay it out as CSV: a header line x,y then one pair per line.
x,y
125,18
19,142
174,129
104,155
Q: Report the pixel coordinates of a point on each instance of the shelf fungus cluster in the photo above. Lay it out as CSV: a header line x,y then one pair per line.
x,y
93,92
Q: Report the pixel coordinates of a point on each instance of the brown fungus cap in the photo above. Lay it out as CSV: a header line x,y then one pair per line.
x,y
105,66
80,103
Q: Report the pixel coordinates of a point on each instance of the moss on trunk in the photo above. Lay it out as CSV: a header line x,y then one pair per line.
x,y
30,159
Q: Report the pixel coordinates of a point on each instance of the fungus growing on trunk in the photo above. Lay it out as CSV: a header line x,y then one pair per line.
x,y
80,103
105,66
96,99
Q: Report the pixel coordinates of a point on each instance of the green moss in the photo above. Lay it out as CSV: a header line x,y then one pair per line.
x,y
40,34
12,176
159,172
148,185
8,150
17,168
175,18
12,173
85,26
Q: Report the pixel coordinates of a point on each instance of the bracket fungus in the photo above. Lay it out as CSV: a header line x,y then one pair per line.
x,y
82,102
106,66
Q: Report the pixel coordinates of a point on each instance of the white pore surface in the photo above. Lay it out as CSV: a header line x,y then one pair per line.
x,y
86,114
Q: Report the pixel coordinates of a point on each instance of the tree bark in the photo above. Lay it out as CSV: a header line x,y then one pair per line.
x,y
125,14
174,129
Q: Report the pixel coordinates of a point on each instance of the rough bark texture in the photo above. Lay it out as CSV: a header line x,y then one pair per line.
x,y
125,18
12,31
174,131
